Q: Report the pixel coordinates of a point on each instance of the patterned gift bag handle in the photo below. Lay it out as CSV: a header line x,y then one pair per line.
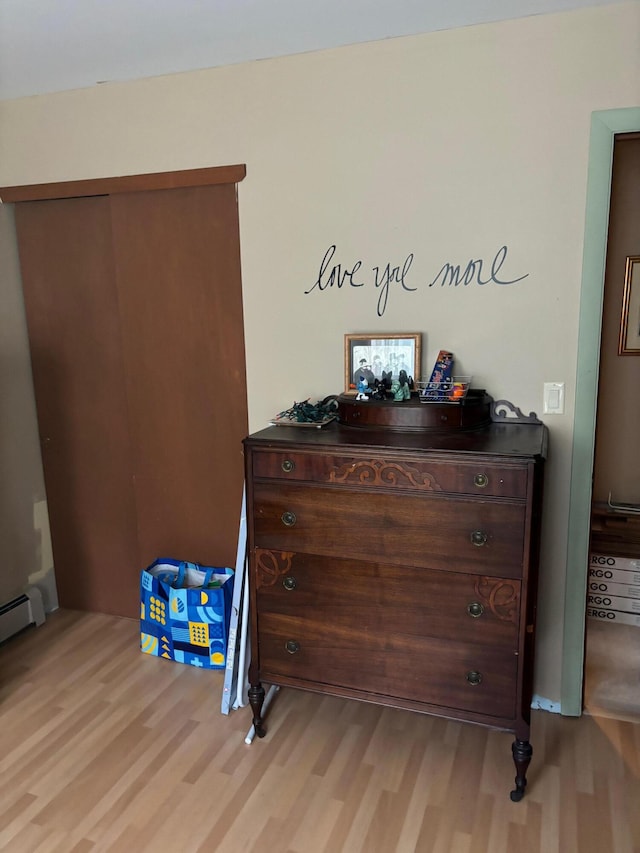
x,y
179,582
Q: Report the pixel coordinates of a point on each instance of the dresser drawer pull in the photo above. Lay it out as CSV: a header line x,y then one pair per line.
x,y
289,582
292,646
479,538
475,609
288,465
480,480
288,518
474,677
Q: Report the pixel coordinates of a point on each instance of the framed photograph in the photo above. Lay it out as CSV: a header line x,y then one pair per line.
x,y
629,343
372,354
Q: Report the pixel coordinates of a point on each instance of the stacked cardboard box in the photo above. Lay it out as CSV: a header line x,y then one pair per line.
x,y
613,589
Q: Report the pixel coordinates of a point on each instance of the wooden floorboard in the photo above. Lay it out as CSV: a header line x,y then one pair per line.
x,y
106,749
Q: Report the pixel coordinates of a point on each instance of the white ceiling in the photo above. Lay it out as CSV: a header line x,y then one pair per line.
x,y
54,45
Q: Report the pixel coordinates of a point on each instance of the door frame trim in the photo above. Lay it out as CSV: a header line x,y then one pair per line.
x,y
604,125
125,184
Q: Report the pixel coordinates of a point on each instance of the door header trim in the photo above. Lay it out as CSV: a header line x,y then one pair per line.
x,y
125,183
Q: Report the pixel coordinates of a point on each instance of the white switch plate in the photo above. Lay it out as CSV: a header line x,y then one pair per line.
x,y
553,398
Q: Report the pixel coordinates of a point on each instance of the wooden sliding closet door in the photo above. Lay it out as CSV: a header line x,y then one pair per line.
x,y
179,289
71,304
134,309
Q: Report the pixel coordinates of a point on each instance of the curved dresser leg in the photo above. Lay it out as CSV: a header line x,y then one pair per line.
x,y
256,698
522,752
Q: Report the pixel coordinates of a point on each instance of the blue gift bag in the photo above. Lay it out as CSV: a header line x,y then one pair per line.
x,y
185,611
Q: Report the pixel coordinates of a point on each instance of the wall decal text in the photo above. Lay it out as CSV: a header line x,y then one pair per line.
x,y
338,275
451,275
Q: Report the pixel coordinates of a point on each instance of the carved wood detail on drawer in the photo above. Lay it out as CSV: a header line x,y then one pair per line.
x,y
381,472
501,596
271,566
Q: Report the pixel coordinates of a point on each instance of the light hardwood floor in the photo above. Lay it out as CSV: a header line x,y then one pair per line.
x,y
106,749
612,670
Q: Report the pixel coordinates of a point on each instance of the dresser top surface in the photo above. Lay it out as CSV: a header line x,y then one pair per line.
x,y
517,440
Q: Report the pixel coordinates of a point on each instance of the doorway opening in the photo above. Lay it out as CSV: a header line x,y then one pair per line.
x,y
612,655
604,126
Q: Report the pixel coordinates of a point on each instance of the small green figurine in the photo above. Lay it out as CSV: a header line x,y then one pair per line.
x,y
401,387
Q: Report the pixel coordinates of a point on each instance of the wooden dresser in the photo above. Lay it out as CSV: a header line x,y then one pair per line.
x,y
398,567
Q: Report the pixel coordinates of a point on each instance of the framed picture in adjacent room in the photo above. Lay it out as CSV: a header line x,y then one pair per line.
x,y
629,343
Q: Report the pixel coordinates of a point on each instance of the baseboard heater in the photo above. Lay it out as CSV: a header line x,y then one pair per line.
x,y
20,612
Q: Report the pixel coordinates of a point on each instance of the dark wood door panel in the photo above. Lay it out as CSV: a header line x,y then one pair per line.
x,y
423,669
374,596
429,531
72,314
179,289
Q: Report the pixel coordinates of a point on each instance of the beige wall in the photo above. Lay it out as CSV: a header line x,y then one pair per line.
x,y
24,524
446,146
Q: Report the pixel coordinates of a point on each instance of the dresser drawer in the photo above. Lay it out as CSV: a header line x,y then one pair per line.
x,y
402,474
479,536
379,598
448,674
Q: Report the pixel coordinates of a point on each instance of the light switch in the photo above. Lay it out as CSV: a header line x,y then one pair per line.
x,y
554,398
